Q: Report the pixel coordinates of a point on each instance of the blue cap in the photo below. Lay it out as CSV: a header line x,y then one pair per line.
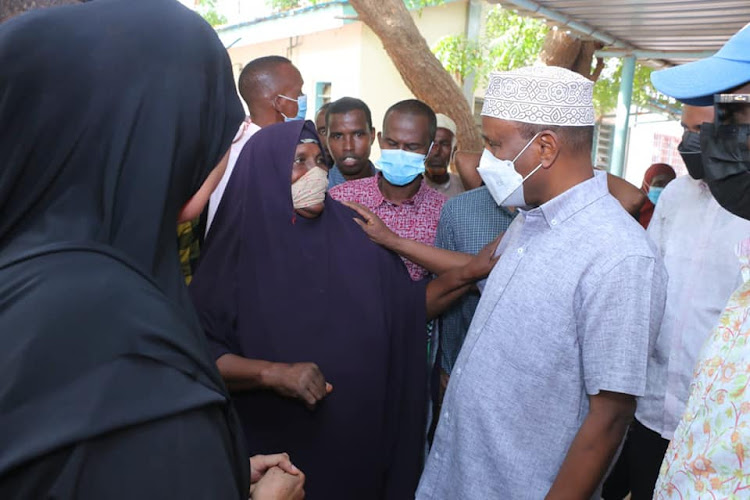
x,y
696,83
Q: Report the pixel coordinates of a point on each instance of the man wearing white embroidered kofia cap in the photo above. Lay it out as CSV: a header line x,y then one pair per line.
x,y
545,385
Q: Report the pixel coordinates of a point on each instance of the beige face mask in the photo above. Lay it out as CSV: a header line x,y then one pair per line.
x,y
310,189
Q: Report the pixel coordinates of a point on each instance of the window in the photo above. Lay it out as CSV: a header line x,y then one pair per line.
x,y
603,142
322,94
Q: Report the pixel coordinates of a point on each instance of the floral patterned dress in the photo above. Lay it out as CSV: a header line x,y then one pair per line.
x,y
709,456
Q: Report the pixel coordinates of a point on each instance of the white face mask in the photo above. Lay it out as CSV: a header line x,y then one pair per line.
x,y
310,189
502,179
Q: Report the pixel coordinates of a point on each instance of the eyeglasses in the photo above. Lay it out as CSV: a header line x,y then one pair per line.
x,y
727,106
731,98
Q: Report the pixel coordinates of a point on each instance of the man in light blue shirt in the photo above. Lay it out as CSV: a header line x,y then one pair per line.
x,y
545,385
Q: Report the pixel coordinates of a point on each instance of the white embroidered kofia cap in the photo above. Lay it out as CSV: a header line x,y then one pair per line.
x,y
444,121
542,95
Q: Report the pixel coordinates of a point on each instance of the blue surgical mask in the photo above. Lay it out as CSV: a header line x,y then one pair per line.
x,y
400,167
301,108
654,193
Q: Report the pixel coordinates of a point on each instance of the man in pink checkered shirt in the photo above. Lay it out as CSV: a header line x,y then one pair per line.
x,y
398,193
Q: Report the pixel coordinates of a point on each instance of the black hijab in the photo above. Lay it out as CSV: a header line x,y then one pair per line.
x,y
275,286
112,114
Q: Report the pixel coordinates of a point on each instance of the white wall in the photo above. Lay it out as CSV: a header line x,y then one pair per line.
x,y
283,25
381,82
349,55
328,56
641,152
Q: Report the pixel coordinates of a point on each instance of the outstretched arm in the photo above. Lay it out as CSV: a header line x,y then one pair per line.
x,y
435,260
466,164
630,197
452,284
594,446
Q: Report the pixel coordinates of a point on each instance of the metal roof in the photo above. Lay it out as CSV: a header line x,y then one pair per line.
x,y
675,31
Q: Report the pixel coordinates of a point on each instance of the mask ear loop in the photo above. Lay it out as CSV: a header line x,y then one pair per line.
x,y
288,99
522,151
276,106
531,173
427,156
526,147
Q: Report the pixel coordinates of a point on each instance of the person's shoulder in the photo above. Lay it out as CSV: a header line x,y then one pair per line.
x,y
474,202
356,185
433,195
616,232
115,286
349,189
468,201
683,182
683,189
480,194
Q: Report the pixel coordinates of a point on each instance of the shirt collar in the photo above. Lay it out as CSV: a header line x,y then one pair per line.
x,y
418,197
565,205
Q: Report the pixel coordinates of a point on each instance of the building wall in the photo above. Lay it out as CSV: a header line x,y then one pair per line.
x,y
350,56
652,142
327,56
381,82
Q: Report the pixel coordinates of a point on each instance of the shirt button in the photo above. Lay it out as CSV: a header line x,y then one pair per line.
x,y
553,222
520,251
437,455
458,371
446,415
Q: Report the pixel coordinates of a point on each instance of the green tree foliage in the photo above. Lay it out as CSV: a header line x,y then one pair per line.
x,y
509,41
207,9
283,5
608,86
421,4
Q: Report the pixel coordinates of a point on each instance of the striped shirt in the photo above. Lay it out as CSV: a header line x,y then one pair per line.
x,y
468,222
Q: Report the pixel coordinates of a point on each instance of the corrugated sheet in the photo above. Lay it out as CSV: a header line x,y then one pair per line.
x,y
659,25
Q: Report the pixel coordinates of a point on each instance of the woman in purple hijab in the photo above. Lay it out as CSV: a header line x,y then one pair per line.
x,y
318,332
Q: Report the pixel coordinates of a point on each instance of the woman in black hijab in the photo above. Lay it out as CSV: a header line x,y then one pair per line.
x,y
112,115
297,288
319,332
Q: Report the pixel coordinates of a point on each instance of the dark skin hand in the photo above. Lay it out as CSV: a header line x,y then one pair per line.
x,y
454,283
466,164
457,271
436,260
302,381
594,447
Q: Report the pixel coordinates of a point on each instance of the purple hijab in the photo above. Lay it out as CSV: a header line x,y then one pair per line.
x,y
275,286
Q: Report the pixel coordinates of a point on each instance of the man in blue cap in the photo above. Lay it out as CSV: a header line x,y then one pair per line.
x,y
708,455
696,237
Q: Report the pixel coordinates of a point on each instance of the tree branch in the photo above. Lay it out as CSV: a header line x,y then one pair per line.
x,y
421,71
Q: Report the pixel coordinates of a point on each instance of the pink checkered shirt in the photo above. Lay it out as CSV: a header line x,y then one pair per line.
x,y
415,219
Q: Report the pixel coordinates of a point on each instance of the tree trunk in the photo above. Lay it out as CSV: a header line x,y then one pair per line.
x,y
566,51
420,69
10,8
